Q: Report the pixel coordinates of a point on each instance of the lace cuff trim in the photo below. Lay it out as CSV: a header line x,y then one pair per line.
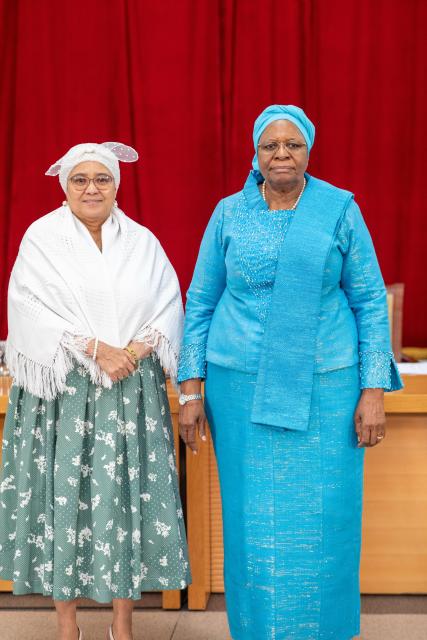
x,y
378,370
192,361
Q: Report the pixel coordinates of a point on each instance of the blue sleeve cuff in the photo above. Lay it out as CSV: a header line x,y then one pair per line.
x,y
192,361
378,370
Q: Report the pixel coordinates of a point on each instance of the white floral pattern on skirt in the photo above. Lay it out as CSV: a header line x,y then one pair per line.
x,y
89,499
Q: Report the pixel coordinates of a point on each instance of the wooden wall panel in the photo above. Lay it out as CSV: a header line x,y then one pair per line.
x,y
217,550
394,549
199,527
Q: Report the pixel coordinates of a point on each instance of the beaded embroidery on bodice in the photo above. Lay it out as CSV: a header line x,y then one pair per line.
x,y
259,236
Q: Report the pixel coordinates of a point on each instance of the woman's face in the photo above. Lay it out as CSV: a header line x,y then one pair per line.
x,y
284,166
91,202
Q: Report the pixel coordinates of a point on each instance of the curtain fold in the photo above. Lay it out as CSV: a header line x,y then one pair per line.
x,y
183,83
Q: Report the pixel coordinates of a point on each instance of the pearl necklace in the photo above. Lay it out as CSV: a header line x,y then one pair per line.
x,y
296,201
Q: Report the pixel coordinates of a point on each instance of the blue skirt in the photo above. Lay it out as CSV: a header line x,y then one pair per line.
x,y
292,506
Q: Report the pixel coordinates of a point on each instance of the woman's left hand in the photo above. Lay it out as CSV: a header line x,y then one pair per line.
x,y
141,349
369,418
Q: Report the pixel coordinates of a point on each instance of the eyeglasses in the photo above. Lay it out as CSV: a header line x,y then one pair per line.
x,y
102,181
271,147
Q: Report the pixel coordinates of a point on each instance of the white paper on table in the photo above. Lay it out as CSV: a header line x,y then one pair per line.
x,y
414,368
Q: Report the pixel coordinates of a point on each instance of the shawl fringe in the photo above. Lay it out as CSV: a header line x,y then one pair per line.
x,y
48,381
162,348
40,380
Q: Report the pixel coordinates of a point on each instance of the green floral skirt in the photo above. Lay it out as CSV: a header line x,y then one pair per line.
x,y
89,500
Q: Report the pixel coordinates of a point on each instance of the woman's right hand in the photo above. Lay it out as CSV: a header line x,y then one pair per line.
x,y
115,362
192,417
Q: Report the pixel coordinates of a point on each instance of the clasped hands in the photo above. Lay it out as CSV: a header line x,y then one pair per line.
x,y
118,363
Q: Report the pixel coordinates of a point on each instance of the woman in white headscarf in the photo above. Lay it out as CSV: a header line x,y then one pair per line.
x,y
89,501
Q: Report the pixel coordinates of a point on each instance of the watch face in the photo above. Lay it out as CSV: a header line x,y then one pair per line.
x,y
181,400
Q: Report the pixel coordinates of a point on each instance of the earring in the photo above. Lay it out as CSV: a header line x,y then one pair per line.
x,y
64,203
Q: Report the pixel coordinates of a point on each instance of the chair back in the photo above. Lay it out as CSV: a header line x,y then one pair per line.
x,y
395,314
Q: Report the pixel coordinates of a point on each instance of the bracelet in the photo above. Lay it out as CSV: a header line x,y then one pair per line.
x,y
183,399
132,353
95,349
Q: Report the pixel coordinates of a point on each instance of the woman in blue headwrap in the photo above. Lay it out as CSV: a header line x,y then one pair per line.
x,y
287,322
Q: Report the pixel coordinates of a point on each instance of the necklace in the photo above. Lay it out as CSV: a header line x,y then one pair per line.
x,y
296,201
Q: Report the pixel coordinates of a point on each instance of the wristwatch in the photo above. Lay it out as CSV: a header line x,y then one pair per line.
x,y
183,399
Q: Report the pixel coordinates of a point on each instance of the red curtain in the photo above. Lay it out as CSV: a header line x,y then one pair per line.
x,y
183,82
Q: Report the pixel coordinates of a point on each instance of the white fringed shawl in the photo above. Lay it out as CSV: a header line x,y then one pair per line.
x,y
63,291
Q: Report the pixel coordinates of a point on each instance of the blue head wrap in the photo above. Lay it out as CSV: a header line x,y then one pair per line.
x,y
282,112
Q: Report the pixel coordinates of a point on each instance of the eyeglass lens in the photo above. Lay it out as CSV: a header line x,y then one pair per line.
x,y
82,182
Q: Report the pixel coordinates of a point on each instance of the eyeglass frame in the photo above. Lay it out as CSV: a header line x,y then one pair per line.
x,y
106,175
280,144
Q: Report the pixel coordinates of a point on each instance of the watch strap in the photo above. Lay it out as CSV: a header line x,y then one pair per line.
x,y
186,398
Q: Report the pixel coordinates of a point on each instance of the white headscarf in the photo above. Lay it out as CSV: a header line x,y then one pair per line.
x,y
107,153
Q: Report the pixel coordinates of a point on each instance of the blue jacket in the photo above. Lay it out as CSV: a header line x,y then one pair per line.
x,y
229,298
